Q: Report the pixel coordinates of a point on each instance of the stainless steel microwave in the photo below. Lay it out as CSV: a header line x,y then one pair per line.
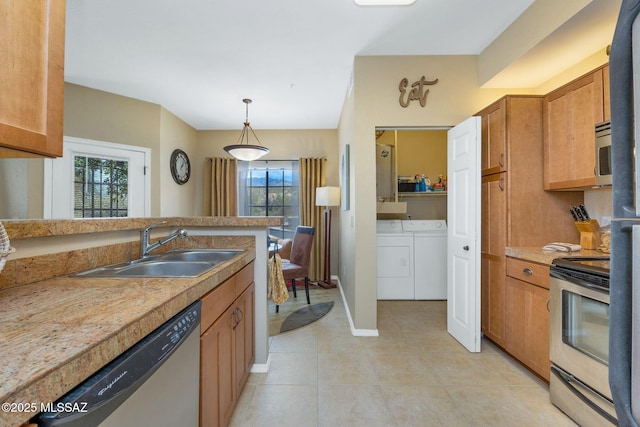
x,y
603,154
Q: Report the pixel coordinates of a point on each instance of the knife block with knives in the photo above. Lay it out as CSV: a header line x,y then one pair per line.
x,y
589,228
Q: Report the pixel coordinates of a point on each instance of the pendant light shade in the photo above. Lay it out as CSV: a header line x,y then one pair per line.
x,y
243,150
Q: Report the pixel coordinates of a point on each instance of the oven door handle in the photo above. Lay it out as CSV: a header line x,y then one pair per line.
x,y
567,381
569,278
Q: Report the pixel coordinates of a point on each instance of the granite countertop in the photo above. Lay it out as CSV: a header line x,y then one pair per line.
x,y
536,254
24,229
57,332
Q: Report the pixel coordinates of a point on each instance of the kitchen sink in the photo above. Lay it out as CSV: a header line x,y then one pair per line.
x,y
177,263
199,255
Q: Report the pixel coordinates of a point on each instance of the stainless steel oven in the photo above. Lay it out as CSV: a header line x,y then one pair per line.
x,y
579,347
603,154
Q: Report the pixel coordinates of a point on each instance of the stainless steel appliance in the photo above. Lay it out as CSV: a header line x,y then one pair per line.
x,y
579,347
154,383
603,153
624,334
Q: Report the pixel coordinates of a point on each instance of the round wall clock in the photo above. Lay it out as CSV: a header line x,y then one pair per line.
x,y
180,166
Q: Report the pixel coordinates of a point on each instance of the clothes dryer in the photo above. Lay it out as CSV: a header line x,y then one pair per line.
x,y
430,257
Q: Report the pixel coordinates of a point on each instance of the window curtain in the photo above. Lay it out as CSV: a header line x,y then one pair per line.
x,y
220,187
312,175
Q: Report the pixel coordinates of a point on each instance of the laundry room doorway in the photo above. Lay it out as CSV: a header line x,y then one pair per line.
x,y
411,177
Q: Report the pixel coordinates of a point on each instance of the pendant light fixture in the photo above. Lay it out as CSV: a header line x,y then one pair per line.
x,y
246,151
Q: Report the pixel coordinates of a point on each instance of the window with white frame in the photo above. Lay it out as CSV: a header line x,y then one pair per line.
x,y
97,179
271,188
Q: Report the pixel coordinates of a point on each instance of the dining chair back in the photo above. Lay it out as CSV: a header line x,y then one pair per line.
x,y
297,266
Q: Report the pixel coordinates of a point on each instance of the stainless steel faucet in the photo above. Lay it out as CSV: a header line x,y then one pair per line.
x,y
146,247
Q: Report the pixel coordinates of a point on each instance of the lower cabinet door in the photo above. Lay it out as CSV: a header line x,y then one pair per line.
x,y
244,337
538,331
217,382
527,325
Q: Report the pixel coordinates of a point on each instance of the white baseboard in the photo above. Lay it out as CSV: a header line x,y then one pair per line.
x,y
355,332
261,368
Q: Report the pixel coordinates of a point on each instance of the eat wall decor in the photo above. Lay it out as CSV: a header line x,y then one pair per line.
x,y
417,92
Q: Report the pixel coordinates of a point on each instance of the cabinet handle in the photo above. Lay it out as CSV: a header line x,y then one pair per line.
x,y
235,318
527,271
501,183
501,160
548,302
240,315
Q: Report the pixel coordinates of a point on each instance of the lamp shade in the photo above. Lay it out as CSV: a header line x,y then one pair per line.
x,y
243,150
246,152
327,196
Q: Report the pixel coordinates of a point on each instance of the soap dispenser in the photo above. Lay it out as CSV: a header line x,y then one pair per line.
x,y
423,184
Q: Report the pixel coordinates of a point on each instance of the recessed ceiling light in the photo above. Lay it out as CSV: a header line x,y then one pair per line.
x,y
384,2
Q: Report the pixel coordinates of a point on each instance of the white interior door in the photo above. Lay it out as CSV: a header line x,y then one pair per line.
x,y
463,242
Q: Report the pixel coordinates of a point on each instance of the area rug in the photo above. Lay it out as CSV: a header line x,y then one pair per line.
x,y
305,315
317,295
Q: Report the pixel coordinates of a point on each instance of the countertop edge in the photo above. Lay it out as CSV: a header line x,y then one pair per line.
x,y
536,254
49,385
25,229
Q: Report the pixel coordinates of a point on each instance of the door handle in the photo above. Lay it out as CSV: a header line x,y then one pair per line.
x,y
465,247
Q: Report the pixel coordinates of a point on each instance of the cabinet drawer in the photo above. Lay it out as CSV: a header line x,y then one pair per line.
x,y
244,278
216,302
537,274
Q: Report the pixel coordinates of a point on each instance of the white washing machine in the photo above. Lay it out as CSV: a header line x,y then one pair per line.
x,y
430,257
395,261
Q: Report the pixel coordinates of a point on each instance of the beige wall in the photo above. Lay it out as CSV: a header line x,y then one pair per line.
x,y
282,144
422,152
175,199
103,116
374,103
371,102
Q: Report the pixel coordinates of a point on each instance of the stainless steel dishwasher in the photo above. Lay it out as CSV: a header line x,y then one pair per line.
x,y
154,383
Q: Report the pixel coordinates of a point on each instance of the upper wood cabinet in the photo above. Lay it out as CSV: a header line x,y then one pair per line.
x,y
494,138
570,115
516,210
31,77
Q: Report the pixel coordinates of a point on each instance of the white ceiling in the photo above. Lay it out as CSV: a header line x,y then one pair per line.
x,y
294,58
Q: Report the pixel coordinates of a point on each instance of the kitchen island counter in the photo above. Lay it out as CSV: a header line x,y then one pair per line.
x,y
57,332
58,329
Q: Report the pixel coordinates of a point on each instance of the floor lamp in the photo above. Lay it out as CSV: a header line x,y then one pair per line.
x,y
327,196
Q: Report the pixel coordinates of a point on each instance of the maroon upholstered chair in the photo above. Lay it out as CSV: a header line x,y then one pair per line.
x,y
297,265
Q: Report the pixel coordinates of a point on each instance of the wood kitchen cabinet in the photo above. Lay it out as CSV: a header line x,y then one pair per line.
x,y
494,140
516,210
31,77
494,228
527,315
570,115
227,348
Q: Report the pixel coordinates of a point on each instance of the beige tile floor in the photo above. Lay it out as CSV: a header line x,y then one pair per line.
x,y
413,374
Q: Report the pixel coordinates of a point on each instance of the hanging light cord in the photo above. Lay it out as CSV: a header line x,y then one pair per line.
x,y
247,125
